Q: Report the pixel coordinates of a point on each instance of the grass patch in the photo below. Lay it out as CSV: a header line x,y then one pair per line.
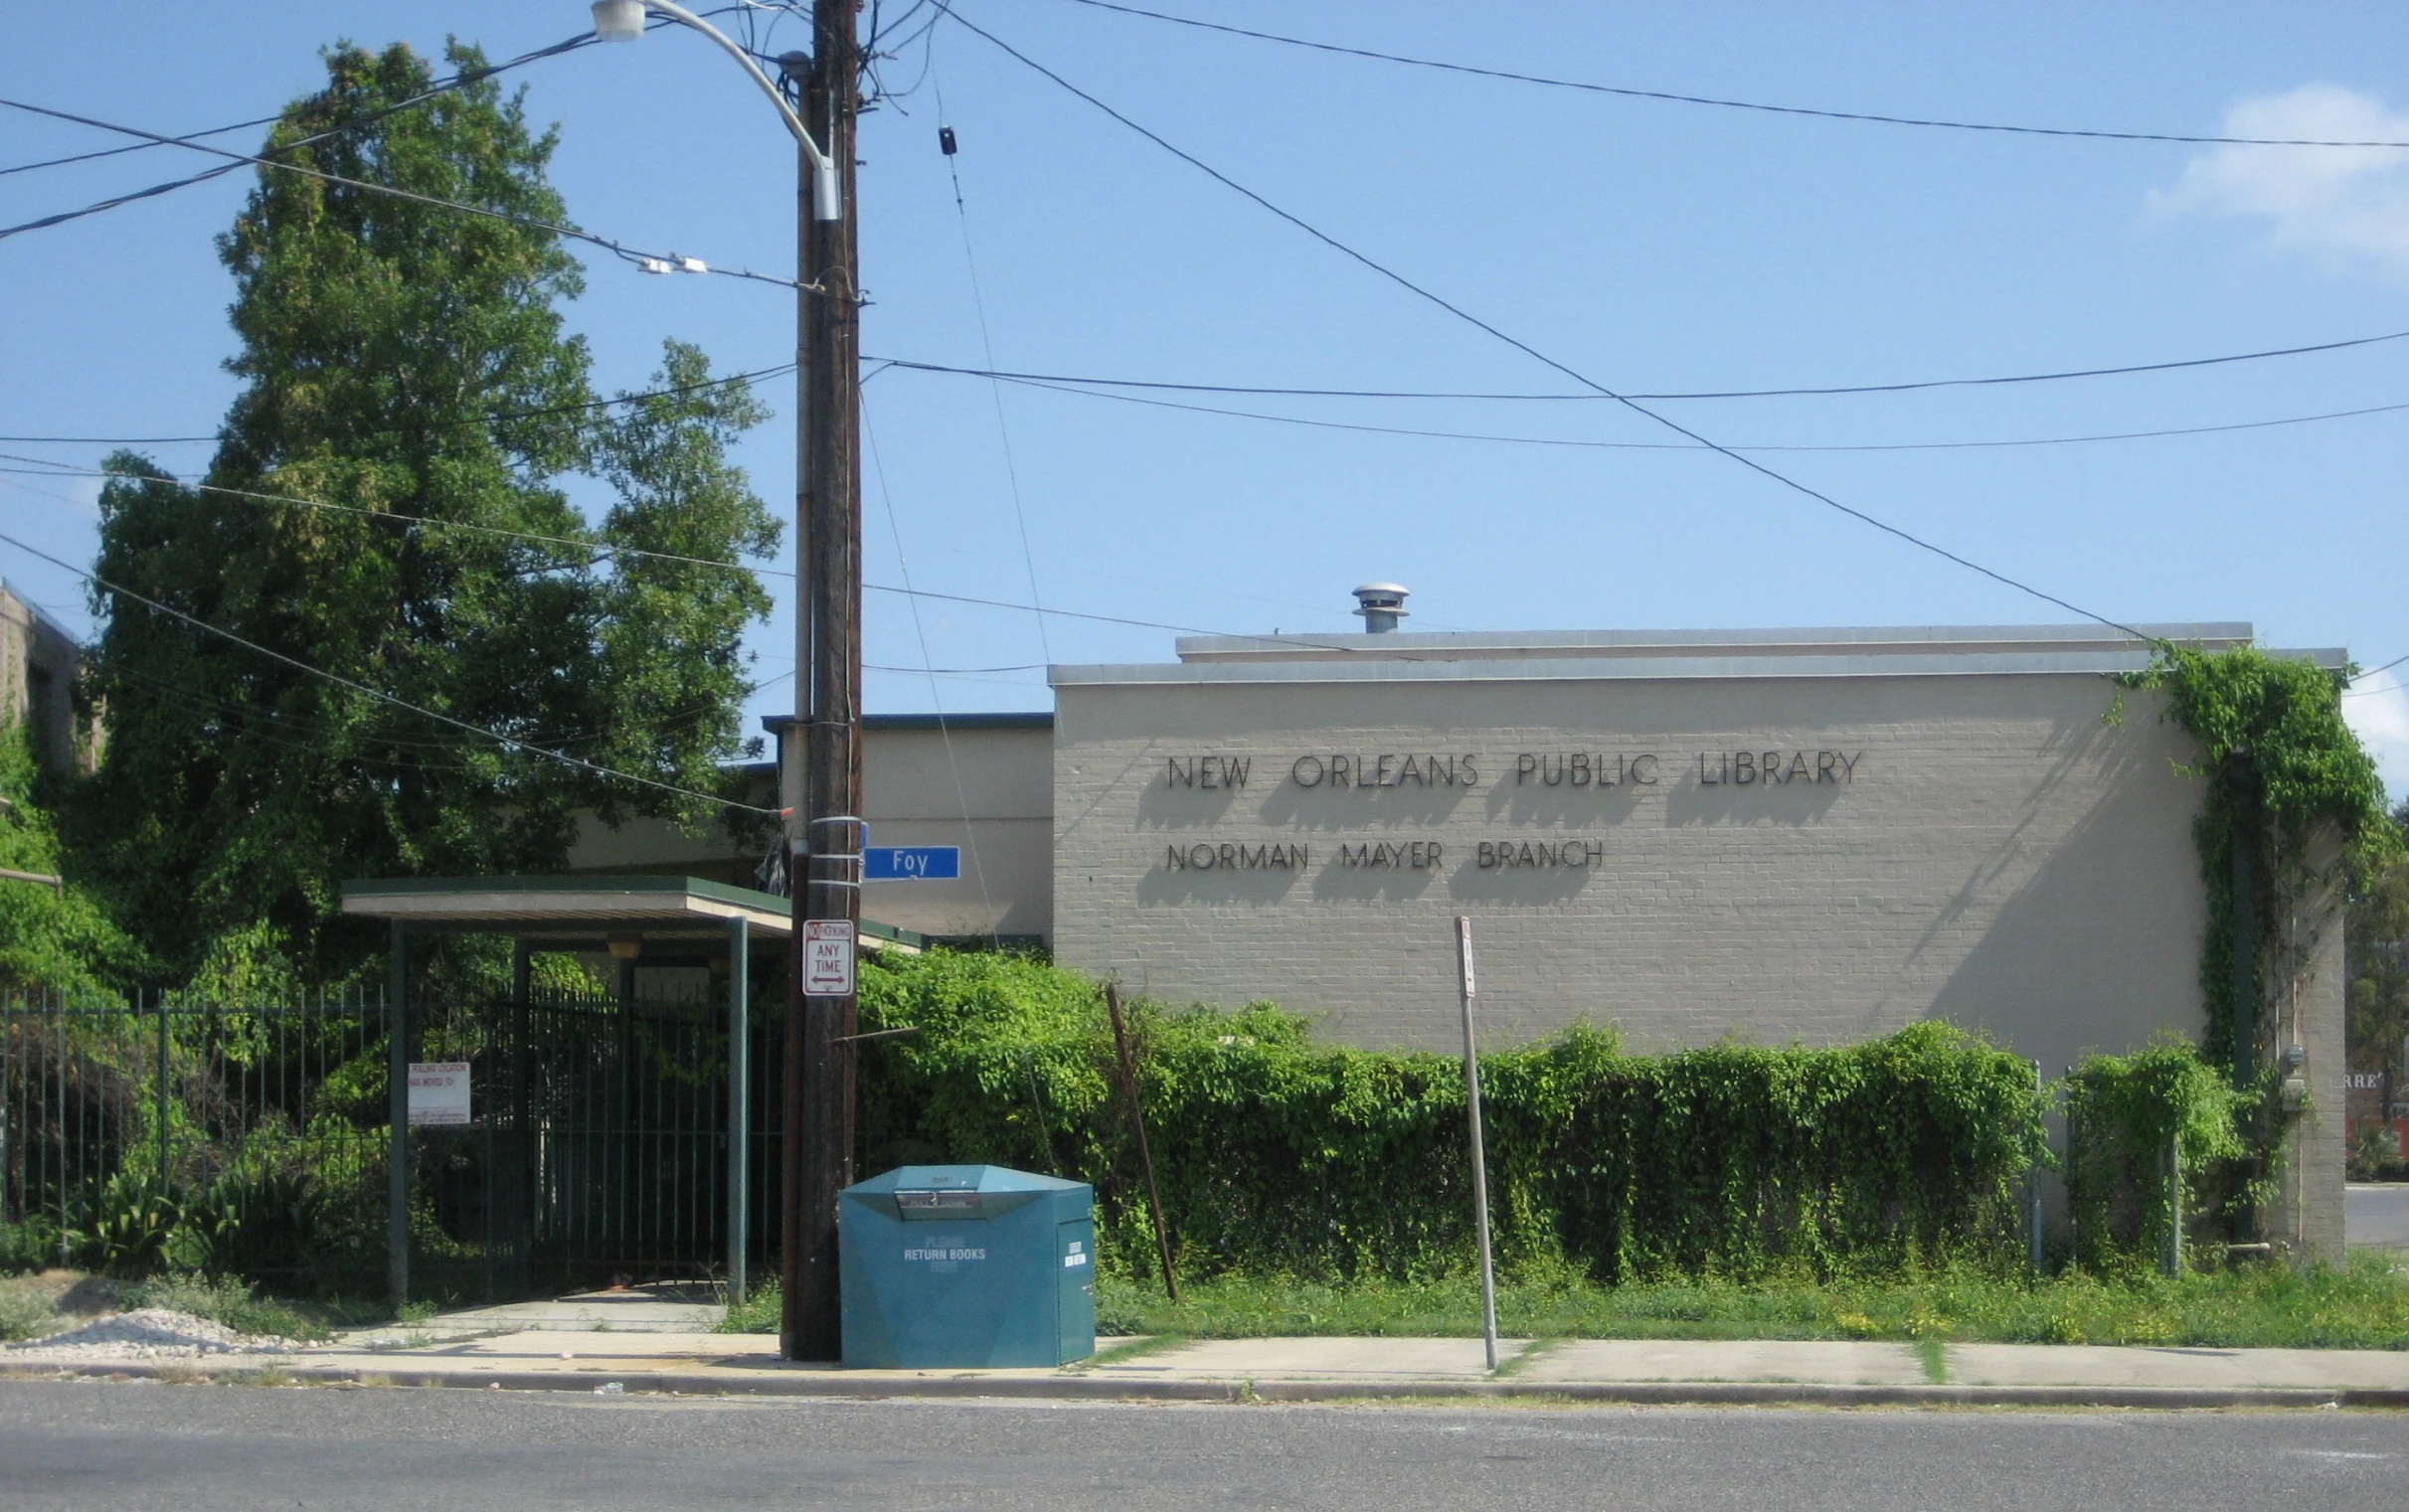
x,y
25,1313
2363,1305
758,1314
1934,1352
1128,1349
225,1300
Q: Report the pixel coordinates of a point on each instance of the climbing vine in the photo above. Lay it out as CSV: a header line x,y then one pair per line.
x,y
2123,1113
2289,784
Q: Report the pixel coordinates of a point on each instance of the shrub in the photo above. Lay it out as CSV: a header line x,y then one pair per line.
x,y
1276,1155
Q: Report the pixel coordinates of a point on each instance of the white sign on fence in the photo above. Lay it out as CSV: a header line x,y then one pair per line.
x,y
827,958
438,1091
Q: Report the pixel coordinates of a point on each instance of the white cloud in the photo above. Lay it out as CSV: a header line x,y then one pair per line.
x,y
2377,707
2353,200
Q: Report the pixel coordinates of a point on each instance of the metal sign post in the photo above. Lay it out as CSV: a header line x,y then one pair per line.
x,y
1481,1170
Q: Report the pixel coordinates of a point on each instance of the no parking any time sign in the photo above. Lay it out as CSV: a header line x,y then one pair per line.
x,y
827,958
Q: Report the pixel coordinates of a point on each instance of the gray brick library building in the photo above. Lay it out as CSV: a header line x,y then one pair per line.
x,y
1788,835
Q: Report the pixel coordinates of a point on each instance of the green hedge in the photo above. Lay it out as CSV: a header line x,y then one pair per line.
x,y
1279,1155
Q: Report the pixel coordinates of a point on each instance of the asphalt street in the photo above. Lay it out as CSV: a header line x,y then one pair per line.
x,y
2376,1216
192,1449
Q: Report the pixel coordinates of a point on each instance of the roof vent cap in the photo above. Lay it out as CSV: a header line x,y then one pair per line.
x,y
1381,605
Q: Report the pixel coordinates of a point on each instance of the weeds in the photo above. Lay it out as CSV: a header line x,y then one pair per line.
x,y
26,1313
225,1300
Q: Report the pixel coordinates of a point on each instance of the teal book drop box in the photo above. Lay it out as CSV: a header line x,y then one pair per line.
x,y
966,1266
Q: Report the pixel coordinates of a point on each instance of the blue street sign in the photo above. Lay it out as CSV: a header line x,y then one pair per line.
x,y
912,863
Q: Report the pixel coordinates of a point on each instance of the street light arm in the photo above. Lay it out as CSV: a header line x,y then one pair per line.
x,y
794,122
827,188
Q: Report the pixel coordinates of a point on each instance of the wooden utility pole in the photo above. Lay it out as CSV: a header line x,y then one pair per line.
x,y
825,877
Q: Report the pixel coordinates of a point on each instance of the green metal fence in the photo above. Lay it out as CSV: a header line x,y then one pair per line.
x,y
255,1140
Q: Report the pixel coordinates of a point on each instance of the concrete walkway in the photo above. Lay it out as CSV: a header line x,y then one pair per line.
x,y
549,1358
662,1307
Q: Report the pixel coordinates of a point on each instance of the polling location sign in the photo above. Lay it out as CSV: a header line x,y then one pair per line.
x,y
827,958
910,863
438,1091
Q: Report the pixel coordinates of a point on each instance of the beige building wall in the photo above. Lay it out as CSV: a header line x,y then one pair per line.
x,y
1977,830
981,782
38,662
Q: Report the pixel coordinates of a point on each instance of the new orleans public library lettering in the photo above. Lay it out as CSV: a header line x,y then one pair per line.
x,y
1391,769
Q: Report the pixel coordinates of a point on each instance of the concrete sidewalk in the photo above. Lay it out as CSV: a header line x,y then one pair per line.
x,y
1335,1369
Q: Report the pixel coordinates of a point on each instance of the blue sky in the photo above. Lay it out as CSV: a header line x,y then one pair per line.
x,y
1652,245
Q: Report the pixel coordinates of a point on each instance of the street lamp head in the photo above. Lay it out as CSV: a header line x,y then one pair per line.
x,y
795,66
618,20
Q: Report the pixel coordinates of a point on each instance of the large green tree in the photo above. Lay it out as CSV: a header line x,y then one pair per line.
x,y
409,364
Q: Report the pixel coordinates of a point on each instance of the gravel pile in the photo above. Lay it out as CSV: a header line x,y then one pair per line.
x,y
148,1333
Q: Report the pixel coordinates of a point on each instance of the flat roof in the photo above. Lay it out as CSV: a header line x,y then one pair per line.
x,y
778,723
1673,655
1888,641
661,905
530,908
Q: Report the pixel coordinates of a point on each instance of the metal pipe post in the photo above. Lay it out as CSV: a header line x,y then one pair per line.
x,y
740,1112
159,1099
2173,1259
2033,1180
1481,1171
397,1072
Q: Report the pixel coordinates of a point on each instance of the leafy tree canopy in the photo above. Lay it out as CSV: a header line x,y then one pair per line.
x,y
407,366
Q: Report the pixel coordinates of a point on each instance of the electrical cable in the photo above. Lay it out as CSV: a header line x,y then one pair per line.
x,y
1594,397
1542,440
945,733
85,157
995,390
499,417
507,742
191,139
1090,381
1727,104
1535,354
564,738
616,248
603,550
2372,671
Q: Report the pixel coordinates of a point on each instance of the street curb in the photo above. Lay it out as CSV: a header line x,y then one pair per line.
x,y
1079,1388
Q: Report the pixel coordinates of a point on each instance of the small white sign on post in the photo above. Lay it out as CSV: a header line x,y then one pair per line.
x,y
438,1091
827,958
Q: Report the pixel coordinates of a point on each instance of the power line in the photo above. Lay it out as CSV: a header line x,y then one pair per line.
x,y
565,737
995,390
1543,441
2371,672
191,139
601,549
85,157
1870,117
944,732
496,419
1534,353
614,248
1593,398
1091,381
507,742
